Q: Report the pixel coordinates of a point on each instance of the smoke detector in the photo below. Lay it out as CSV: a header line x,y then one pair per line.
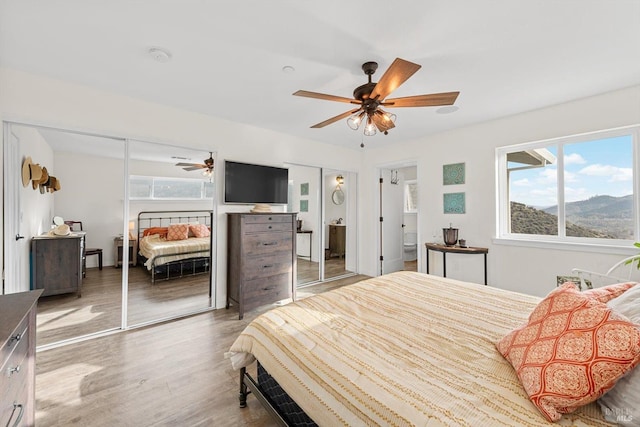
x,y
160,54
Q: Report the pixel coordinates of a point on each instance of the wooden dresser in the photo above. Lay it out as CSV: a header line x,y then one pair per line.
x,y
337,240
17,358
56,263
261,259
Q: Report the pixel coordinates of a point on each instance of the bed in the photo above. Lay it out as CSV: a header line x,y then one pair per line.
x,y
167,259
401,349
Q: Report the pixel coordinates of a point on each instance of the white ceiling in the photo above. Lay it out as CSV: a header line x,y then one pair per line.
x,y
504,56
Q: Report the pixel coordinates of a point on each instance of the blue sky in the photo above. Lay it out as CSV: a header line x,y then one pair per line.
x,y
599,167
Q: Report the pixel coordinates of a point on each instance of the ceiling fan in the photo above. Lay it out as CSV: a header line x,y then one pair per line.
x,y
207,165
371,96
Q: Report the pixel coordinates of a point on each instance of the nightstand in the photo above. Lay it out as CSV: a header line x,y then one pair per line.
x,y
133,251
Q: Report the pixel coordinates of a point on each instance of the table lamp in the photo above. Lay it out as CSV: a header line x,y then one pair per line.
x,y
132,226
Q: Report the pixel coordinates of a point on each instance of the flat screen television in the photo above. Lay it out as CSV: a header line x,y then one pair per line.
x,y
246,183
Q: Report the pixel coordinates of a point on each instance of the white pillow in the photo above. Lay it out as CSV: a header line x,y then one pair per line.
x,y
621,404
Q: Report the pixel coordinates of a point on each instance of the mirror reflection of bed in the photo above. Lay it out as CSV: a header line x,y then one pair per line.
x,y
174,257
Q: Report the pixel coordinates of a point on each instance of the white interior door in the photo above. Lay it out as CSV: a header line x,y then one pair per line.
x,y
391,211
15,264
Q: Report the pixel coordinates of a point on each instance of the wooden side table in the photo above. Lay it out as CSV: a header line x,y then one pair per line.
x,y
118,243
456,250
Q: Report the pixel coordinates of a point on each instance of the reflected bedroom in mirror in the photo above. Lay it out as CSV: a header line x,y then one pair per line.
x,y
71,211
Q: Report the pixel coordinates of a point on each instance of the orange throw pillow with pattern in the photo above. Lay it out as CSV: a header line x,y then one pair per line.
x,y
200,230
571,351
178,232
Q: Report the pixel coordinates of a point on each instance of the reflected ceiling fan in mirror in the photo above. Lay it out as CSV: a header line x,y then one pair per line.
x,y
370,97
207,166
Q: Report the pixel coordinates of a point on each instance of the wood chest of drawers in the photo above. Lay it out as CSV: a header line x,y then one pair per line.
x,y
261,259
17,358
56,263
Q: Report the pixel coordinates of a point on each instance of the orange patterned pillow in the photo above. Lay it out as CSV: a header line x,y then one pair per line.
x,y
178,232
199,230
572,350
607,293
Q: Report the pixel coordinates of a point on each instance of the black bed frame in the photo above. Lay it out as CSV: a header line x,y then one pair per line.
x,y
275,400
199,263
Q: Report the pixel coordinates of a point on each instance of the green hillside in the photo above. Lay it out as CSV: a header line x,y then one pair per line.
x,y
529,220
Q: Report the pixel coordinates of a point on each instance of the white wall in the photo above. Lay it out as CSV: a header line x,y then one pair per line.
x,y
36,209
517,268
38,100
92,192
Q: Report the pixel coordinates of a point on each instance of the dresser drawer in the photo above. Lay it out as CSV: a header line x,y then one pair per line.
x,y
19,335
266,266
268,227
14,406
259,292
271,243
267,219
15,367
15,375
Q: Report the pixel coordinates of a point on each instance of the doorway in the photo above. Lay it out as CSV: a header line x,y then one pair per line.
x,y
398,232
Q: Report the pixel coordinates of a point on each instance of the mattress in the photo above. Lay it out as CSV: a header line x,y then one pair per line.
x,y
405,349
160,251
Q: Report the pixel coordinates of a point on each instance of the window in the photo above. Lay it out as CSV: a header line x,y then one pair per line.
x,y
572,189
410,196
156,188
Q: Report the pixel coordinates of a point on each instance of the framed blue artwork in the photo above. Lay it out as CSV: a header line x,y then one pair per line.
x,y
453,174
304,206
304,189
454,203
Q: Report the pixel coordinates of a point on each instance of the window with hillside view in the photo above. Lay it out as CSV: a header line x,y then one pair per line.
x,y
155,188
572,188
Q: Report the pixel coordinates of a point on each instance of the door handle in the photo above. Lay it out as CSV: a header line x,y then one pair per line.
x,y
18,237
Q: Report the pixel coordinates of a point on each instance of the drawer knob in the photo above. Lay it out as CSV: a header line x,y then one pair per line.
x,y
269,218
270,227
16,337
267,266
14,370
269,243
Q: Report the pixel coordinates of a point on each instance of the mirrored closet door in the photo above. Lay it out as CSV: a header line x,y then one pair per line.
x,y
69,207
171,202
304,198
340,219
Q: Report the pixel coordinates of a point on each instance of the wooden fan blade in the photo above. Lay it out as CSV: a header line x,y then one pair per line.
x,y
398,73
186,164
431,100
194,168
317,95
334,119
382,123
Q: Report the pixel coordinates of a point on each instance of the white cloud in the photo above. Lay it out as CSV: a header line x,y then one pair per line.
x,y
614,173
574,159
576,194
524,182
548,176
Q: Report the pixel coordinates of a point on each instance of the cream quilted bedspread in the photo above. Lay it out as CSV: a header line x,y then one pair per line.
x,y
153,246
406,349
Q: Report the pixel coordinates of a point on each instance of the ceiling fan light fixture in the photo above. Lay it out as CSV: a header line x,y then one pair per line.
x,y
387,116
370,128
354,121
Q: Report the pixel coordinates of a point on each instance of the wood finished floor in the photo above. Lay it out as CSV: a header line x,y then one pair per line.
x,y
172,374
66,316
